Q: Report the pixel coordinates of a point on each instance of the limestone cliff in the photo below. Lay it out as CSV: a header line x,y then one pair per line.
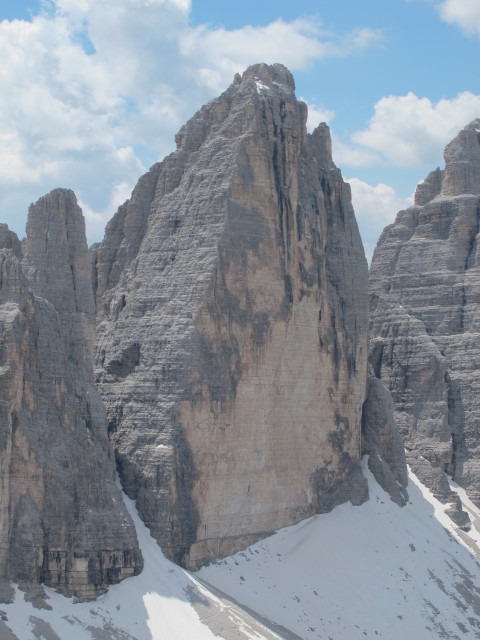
x,y
232,327
425,320
62,518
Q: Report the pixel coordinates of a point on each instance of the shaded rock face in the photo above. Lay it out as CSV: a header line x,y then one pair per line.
x,y
232,327
382,442
62,518
425,320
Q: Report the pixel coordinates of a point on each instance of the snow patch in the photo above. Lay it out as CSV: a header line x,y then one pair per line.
x,y
262,87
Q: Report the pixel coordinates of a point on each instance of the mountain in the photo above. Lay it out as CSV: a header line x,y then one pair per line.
x,y
232,316
62,519
235,398
425,322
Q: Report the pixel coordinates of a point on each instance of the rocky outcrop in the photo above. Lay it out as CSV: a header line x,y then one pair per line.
x,y
425,320
232,327
382,442
62,518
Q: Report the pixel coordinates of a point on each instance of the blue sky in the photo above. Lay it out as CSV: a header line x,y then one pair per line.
x,y
93,91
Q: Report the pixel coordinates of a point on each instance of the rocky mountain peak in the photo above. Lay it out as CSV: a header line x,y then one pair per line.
x,y
461,175
56,257
465,146
231,341
270,74
263,93
62,519
462,162
9,240
322,143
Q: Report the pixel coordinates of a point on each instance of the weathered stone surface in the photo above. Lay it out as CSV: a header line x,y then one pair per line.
x,y
429,188
62,518
382,441
232,327
425,320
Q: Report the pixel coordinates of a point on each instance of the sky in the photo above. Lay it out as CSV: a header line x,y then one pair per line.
x,y
92,92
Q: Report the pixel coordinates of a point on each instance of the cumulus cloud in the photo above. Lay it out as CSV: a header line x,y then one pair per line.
x,y
95,221
220,53
351,155
378,203
91,91
464,13
409,131
375,208
317,113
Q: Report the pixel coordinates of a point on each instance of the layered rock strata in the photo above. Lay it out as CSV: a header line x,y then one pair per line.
x,y
232,327
425,321
62,518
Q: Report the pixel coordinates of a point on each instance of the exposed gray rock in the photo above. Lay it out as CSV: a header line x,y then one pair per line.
x,y
232,327
425,320
382,441
62,518
430,187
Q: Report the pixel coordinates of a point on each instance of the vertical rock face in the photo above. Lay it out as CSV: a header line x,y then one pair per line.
x,y
382,441
425,320
232,327
62,519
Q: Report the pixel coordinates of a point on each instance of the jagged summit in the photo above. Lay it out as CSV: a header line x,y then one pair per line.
x,y
270,74
235,112
461,175
462,162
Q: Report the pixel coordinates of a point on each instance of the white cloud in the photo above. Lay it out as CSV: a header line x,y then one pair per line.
x,y
410,131
360,39
220,53
89,79
376,204
375,208
317,113
348,155
95,221
464,13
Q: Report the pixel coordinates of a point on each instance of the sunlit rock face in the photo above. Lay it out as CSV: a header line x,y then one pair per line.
x,y
232,327
62,518
425,320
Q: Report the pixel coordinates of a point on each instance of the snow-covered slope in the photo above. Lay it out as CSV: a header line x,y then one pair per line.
x,y
374,571
165,602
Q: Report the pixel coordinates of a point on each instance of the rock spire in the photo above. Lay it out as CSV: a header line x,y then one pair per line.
x,y
62,518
